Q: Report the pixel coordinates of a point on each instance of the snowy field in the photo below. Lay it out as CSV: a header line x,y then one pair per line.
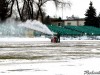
x,y
38,56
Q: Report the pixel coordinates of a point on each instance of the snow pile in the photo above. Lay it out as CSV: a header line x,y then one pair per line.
x,y
81,38
43,38
19,39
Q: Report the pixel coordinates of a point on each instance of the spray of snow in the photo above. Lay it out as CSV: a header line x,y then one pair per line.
x,y
12,28
36,25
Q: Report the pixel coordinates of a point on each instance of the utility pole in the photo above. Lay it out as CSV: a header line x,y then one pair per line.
x,y
62,9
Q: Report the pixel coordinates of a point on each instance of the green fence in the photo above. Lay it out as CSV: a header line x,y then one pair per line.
x,y
89,30
75,30
63,31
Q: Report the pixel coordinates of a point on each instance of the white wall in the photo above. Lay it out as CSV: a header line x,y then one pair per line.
x,y
81,23
70,23
74,23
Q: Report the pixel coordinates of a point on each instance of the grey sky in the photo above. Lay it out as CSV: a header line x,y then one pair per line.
x,y
78,8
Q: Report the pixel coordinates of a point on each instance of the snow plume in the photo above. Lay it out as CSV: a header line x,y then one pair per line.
x,y
36,25
10,28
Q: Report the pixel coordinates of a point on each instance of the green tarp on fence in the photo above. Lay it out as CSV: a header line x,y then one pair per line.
x,y
88,30
75,30
63,31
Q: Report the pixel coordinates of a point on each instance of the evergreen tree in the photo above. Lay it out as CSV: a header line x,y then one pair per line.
x,y
3,9
91,19
47,20
99,20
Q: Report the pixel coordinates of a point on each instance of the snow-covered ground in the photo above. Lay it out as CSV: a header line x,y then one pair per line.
x,y
38,56
21,39
68,67
44,38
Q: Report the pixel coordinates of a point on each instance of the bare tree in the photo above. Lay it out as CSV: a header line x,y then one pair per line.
x,y
10,6
5,9
27,10
19,10
41,3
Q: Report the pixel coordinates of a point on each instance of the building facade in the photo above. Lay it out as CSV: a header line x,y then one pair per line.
x,y
74,22
57,21
68,22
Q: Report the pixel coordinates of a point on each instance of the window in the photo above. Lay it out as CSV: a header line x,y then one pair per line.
x,y
69,23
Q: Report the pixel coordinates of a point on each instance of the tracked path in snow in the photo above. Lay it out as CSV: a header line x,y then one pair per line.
x,y
49,51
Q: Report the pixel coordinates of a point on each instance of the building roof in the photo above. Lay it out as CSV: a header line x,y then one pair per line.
x,y
79,19
56,20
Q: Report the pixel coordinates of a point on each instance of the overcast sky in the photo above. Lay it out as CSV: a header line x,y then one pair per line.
x,y
78,8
